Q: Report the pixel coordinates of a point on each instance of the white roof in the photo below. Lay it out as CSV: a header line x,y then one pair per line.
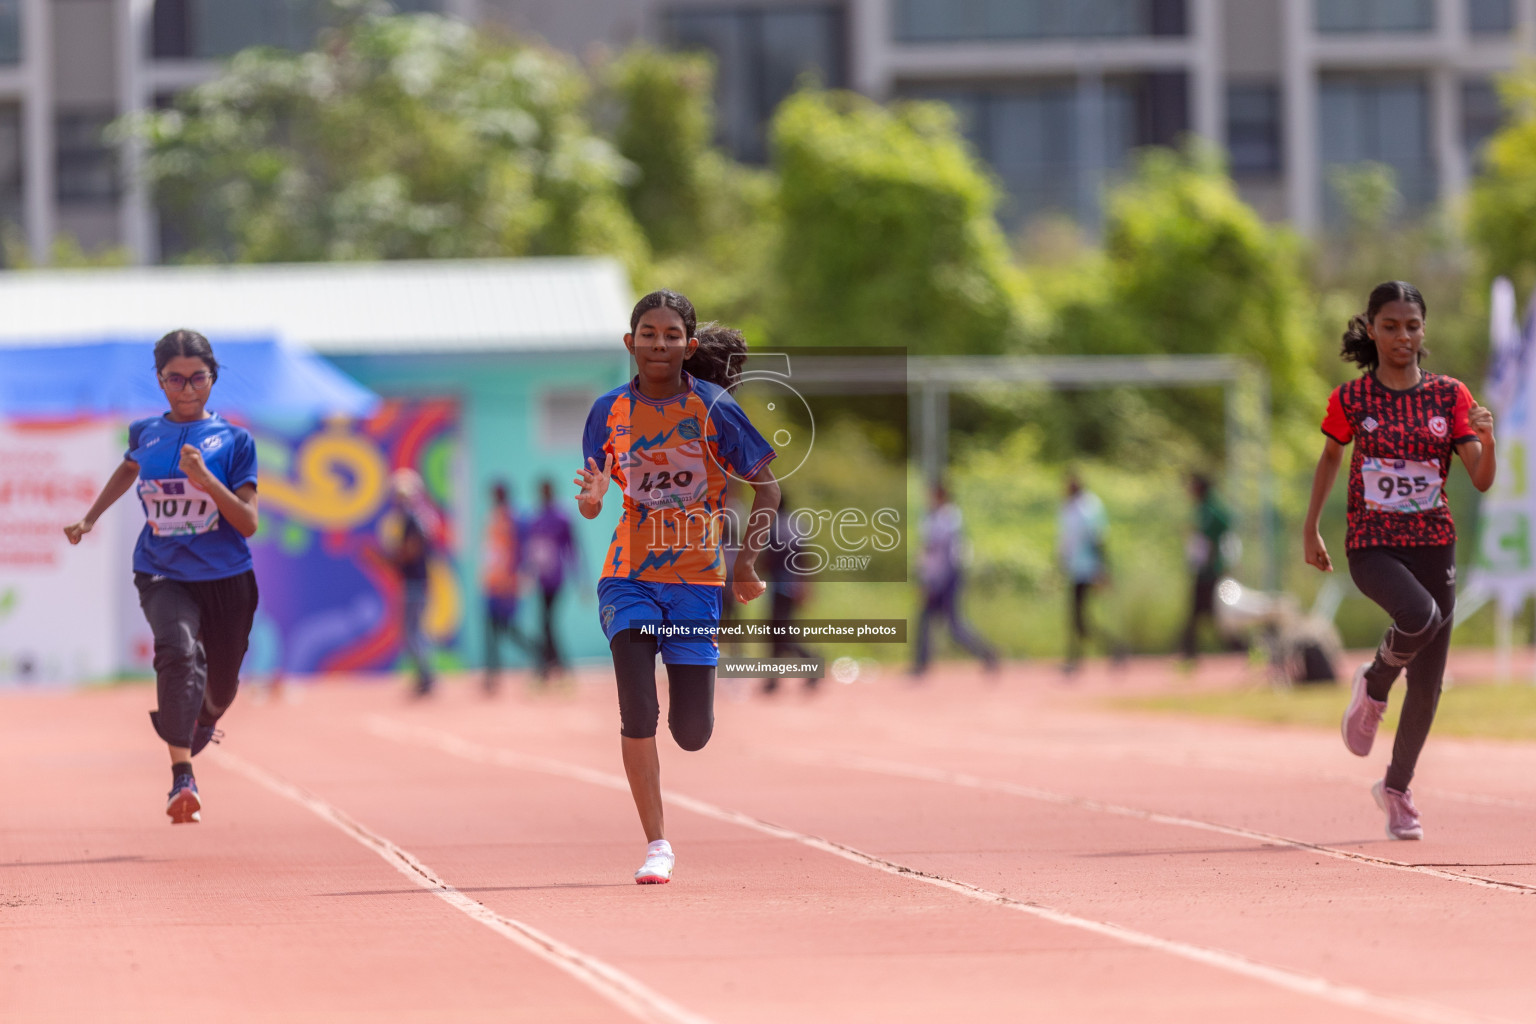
x,y
557,303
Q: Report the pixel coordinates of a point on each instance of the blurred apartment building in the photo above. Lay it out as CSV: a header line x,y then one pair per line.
x,y
1054,94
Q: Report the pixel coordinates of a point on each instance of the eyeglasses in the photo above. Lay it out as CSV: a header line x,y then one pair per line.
x,y
176,382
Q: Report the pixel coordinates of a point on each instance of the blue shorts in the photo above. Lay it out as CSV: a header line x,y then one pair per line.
x,y
626,604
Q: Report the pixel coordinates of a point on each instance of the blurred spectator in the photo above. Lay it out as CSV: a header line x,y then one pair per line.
x,y
408,532
1080,528
1204,553
550,558
939,570
499,578
788,589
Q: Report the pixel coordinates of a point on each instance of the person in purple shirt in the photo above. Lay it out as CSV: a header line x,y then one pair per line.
x,y
550,557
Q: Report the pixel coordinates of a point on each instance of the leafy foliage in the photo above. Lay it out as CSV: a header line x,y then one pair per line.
x,y
888,233
399,137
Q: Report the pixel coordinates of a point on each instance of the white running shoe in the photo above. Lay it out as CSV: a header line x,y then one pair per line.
x,y
657,869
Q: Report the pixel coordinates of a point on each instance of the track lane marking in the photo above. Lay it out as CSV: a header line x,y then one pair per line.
x,y
607,981
1058,750
1236,963
923,773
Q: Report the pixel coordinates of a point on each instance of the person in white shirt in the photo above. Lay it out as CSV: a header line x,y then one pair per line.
x,y
1080,527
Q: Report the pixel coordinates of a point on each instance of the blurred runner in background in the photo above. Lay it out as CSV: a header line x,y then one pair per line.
x,y
550,558
1080,528
788,589
500,579
1204,552
939,571
407,532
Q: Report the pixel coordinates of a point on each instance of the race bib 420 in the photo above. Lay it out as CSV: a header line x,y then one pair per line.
x,y
1400,485
177,509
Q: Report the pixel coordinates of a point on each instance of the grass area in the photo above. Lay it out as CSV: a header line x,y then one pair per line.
x,y
1505,712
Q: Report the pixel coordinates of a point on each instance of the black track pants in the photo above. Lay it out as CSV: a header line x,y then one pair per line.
x,y
1417,587
201,632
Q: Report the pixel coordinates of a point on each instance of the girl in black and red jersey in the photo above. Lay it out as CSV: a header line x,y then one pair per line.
x,y
1401,542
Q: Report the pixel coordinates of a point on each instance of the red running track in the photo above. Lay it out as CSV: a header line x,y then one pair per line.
x,y
968,850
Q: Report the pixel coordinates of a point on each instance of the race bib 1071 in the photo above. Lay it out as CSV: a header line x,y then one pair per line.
x,y
1400,485
177,509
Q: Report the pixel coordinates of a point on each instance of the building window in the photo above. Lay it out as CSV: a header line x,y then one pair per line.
x,y
1375,15
761,55
209,29
933,21
1052,143
1253,129
1490,17
10,31
86,168
1481,116
10,163
1384,121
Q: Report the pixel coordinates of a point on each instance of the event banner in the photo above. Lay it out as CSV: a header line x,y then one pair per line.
x,y
330,596
58,621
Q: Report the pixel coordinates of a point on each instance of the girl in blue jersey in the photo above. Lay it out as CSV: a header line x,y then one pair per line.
x,y
196,477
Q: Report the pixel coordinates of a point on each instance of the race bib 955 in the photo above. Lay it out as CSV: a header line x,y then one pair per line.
x,y
1400,485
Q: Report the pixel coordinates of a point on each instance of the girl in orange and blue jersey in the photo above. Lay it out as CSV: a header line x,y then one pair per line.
x,y
672,438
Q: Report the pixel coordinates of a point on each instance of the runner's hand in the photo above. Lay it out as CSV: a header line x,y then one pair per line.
x,y
74,531
193,466
1480,418
593,481
747,586
1317,552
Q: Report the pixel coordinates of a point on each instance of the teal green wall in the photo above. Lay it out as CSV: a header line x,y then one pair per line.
x,y
499,402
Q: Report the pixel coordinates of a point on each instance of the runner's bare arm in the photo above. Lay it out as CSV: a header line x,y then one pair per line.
x,y
1322,483
765,505
238,507
1478,455
593,481
118,483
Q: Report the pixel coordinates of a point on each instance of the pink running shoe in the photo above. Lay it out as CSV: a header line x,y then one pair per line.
x,y
1362,716
1402,816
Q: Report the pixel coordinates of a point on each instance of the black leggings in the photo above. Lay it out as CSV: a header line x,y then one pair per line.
x,y
691,693
201,629
1417,587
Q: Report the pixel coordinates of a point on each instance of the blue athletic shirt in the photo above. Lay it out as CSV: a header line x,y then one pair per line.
x,y
185,537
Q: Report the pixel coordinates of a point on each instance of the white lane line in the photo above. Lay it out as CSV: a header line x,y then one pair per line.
x,y
606,980
1235,963
899,769
1059,750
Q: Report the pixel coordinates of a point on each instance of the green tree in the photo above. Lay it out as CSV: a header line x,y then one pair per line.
x,y
398,137
1188,268
888,231
1502,208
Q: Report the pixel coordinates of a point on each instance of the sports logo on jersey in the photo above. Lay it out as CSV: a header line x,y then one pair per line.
x,y
689,429
212,442
1437,426
1369,423
151,442
607,614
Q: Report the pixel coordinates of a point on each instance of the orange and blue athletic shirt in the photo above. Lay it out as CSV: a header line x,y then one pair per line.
x,y
672,459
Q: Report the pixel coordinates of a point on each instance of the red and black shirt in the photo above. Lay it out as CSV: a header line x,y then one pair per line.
x,y
1403,441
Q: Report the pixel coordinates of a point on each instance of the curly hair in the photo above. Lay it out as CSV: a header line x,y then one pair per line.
x,y
720,356
1358,348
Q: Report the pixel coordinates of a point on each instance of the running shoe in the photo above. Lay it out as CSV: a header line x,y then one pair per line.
x,y
184,807
203,735
1402,816
1362,716
657,869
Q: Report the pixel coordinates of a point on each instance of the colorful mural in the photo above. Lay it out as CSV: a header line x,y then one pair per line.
x,y
330,599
